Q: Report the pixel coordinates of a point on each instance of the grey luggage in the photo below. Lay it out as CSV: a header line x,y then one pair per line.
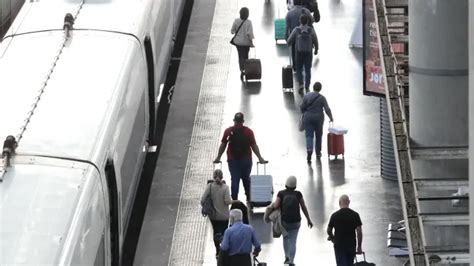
x,y
261,189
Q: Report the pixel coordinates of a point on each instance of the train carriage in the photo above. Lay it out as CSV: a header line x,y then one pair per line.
x,y
87,103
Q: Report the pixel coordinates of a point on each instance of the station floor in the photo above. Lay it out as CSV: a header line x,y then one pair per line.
x,y
207,94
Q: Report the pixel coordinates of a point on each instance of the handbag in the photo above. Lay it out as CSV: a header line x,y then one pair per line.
x,y
232,40
301,121
207,206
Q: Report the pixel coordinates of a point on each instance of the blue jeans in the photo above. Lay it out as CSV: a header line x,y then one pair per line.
x,y
289,241
311,129
240,169
303,63
344,257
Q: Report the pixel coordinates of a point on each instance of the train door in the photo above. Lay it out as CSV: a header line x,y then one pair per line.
x,y
114,212
151,90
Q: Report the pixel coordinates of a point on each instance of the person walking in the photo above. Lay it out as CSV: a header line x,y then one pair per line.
x,y
221,200
289,202
304,38
292,21
313,119
346,223
243,38
241,142
237,243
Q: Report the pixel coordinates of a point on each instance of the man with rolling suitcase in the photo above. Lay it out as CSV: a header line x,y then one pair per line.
x,y
241,142
346,223
292,20
303,38
239,238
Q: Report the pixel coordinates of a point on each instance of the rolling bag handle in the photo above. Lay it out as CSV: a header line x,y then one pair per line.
x,y
255,51
363,254
214,165
264,167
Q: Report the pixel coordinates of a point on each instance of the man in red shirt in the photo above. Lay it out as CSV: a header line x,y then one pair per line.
x,y
239,154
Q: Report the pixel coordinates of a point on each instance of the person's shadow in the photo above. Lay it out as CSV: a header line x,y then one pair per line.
x,y
337,170
262,229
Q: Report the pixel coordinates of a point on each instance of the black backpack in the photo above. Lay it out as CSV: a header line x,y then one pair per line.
x,y
290,207
238,143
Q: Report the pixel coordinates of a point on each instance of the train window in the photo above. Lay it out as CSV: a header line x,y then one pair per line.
x,y
100,257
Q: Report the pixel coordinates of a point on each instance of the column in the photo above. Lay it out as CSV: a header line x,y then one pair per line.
x,y
438,72
471,127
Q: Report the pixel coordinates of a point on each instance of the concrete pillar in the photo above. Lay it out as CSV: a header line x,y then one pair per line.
x,y
438,57
471,128
438,72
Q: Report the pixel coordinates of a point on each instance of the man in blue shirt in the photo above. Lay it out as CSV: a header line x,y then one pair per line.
x,y
238,241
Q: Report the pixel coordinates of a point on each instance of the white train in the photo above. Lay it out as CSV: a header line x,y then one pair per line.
x,y
89,102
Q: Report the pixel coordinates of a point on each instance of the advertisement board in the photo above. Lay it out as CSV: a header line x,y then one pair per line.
x,y
373,74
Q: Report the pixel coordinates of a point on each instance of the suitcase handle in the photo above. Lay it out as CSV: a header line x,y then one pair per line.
x,y
214,164
255,51
363,254
264,167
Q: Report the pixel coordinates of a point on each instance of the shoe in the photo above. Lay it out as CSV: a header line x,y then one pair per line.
x,y
308,157
242,76
286,260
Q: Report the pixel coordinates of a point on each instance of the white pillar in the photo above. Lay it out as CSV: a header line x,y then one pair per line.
x,y
471,128
438,52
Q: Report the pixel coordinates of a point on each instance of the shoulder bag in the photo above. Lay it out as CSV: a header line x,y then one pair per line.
x,y
207,207
232,40
301,122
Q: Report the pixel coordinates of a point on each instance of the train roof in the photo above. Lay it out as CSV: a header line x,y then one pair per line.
x,y
37,205
86,81
123,16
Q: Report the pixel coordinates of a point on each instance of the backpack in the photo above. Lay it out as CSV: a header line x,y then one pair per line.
x,y
238,143
304,43
290,206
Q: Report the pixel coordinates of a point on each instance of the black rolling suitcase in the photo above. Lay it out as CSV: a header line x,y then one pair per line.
x,y
253,68
287,77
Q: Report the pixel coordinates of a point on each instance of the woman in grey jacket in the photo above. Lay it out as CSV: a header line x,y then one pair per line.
x,y
243,30
313,119
221,200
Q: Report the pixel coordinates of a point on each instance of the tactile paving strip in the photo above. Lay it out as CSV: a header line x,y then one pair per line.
x,y
191,228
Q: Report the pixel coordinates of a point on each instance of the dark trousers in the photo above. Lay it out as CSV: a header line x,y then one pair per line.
x,y
239,260
218,227
243,52
344,257
240,169
313,128
303,64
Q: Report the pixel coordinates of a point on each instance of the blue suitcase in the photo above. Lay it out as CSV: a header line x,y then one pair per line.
x,y
280,27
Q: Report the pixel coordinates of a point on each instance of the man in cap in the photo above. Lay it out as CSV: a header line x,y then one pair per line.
x,y
346,224
289,202
241,142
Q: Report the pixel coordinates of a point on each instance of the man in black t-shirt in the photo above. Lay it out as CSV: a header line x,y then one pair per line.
x,y
346,223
